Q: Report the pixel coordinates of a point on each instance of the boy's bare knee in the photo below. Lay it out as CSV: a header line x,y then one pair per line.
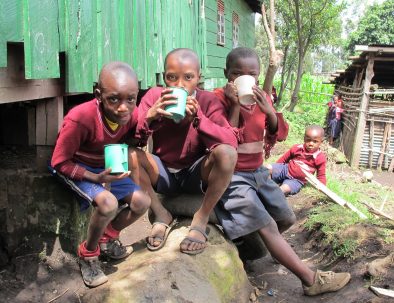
x,y
286,223
140,202
225,154
107,204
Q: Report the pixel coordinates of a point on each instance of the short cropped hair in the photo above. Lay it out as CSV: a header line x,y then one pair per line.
x,y
184,53
241,52
315,127
116,66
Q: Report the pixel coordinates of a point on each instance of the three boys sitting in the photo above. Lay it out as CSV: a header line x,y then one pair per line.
x,y
196,155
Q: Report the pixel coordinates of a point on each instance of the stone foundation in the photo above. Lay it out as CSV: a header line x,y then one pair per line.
x,y
35,209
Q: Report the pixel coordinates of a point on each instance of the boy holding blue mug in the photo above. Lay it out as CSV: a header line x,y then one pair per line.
x,y
78,159
196,155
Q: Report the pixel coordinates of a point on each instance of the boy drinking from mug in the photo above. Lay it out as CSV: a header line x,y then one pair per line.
x,y
253,202
195,155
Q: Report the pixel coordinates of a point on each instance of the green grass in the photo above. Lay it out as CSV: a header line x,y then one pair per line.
x,y
343,229
311,109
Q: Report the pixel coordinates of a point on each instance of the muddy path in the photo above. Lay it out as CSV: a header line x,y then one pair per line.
x,y
270,278
42,277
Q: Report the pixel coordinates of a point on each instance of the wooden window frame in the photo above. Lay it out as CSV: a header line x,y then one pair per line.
x,y
235,30
221,24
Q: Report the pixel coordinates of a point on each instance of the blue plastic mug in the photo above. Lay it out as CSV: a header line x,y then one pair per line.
x,y
178,110
116,157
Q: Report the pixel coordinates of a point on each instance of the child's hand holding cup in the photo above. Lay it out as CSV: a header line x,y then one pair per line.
x,y
178,110
244,86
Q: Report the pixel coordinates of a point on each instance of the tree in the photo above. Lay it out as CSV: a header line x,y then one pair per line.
x,y
275,56
316,23
375,27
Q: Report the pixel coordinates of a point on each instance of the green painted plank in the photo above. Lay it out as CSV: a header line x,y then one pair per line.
x,y
127,34
3,39
11,26
62,24
11,19
217,62
151,51
81,45
41,39
139,41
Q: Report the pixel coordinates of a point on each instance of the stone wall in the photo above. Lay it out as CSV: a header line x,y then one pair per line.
x,y
35,209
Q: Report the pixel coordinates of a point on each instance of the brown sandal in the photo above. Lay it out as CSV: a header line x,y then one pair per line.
x,y
162,240
191,240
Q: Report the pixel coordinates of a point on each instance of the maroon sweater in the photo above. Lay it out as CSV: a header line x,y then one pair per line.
x,y
82,138
179,145
255,139
298,157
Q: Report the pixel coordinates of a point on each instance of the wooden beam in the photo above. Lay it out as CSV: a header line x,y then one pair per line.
x,y
371,142
384,59
333,196
358,75
379,49
391,167
49,116
361,122
386,132
354,57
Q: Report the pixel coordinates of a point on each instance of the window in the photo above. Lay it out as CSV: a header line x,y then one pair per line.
x,y
235,30
221,37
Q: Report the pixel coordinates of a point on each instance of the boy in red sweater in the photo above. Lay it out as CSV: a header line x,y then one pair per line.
x,y
253,202
78,159
287,170
195,155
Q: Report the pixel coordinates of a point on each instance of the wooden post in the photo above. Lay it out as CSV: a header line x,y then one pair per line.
x,y
361,122
383,148
386,159
371,141
391,167
358,75
49,116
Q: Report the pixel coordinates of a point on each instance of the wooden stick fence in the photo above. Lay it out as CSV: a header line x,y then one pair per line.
x,y
333,196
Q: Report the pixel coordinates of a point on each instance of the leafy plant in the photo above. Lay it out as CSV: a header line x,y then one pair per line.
x,y
375,27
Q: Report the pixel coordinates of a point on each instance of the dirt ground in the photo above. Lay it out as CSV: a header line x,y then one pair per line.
x,y
54,276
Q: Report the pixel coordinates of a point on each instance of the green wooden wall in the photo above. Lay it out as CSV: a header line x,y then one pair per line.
x,y
93,32
216,54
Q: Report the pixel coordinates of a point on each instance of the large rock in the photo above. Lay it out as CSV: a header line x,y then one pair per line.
x,y
250,247
216,275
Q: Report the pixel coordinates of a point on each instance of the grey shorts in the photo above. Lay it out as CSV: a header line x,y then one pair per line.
x,y
250,202
187,180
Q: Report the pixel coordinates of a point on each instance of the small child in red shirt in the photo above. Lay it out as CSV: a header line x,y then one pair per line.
x,y
287,170
253,202
335,110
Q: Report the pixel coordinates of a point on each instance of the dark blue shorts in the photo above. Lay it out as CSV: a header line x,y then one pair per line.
x,y
335,128
188,180
87,191
250,202
280,174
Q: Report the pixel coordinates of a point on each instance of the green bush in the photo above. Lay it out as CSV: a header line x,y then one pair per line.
x,y
311,109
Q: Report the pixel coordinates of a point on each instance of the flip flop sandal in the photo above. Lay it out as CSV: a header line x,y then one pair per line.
x,y
163,240
191,240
